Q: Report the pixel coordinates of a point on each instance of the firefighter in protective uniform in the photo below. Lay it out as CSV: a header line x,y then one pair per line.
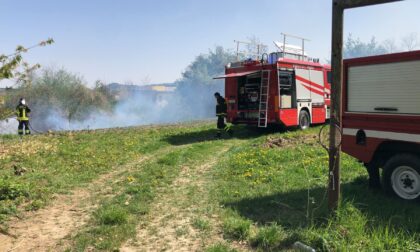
x,y
22,113
221,110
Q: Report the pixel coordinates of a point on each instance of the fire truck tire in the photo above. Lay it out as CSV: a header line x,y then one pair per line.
x,y
401,176
304,120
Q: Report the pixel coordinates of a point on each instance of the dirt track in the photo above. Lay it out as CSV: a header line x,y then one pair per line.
x,y
45,229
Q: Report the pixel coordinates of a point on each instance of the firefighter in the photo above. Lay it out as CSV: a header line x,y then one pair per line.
x,y
221,109
22,112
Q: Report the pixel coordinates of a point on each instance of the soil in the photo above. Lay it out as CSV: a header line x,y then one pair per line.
x,y
45,229
170,224
282,142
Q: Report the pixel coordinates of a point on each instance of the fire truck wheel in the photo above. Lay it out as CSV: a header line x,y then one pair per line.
x,y
304,120
402,176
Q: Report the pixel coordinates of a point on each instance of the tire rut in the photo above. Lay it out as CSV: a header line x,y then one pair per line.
x,y
170,224
45,229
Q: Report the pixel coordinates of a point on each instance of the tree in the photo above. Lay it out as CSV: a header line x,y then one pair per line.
x,y
195,89
410,42
104,97
354,48
10,63
206,66
255,48
58,98
390,46
10,68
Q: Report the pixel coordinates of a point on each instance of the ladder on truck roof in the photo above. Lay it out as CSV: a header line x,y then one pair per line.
x,y
263,109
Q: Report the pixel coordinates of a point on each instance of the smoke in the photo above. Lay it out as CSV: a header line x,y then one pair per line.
x,y
186,103
60,100
8,126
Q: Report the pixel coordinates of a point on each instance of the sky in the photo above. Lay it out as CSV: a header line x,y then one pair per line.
x,y
153,41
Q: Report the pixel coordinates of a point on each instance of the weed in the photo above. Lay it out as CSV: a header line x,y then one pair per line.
x,y
220,248
253,184
35,205
60,162
112,215
268,237
169,159
236,228
270,185
201,224
348,231
145,180
181,231
10,190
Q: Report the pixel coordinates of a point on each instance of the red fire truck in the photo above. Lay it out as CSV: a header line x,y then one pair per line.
x,y
381,119
285,87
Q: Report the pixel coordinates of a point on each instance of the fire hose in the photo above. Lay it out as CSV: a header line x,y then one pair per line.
x,y
34,130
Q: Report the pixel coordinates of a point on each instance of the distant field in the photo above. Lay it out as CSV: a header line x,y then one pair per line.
x,y
176,187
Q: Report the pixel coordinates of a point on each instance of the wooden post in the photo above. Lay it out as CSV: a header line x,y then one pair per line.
x,y
347,4
337,80
335,113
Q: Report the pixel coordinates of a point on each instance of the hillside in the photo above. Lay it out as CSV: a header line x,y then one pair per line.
x,y
176,188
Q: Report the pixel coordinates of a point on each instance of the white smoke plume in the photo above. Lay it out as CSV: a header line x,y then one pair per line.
x,y
8,126
183,105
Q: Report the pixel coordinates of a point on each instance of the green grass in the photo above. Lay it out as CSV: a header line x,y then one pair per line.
x,y
262,198
235,227
287,186
59,162
140,190
201,224
112,215
268,237
220,248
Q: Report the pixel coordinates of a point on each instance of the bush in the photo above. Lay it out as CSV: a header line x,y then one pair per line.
x,y
10,190
60,95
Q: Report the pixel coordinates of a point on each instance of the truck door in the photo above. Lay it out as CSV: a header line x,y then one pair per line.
x,y
303,91
317,87
287,89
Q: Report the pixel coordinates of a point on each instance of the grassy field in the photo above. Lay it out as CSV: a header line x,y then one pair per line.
x,y
175,187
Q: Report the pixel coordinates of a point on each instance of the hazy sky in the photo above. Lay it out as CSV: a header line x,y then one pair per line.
x,y
129,40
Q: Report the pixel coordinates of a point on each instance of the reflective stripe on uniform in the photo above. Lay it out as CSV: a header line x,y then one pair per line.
x,y
21,114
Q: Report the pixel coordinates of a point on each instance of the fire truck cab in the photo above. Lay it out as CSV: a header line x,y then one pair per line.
x,y
381,119
285,87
